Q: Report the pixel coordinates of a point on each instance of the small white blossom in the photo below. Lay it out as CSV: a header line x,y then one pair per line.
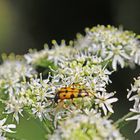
x,y
6,127
135,88
104,101
11,69
14,106
41,111
135,54
34,56
118,56
40,97
135,110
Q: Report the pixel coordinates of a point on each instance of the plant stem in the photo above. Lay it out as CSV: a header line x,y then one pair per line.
x,y
122,121
48,126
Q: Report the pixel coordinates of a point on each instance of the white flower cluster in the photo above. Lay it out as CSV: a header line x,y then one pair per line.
x,y
86,126
38,94
114,45
4,128
82,67
135,89
35,96
89,71
56,54
118,46
11,74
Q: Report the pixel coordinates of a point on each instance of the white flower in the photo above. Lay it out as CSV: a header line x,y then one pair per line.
x,y
15,70
12,72
101,74
40,88
34,56
6,127
38,95
118,56
135,54
56,54
135,88
41,110
135,110
14,105
112,44
104,101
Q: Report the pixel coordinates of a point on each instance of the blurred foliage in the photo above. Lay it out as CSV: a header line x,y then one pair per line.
x,y
29,129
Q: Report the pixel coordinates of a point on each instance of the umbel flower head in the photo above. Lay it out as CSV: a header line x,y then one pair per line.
x,y
79,74
87,126
135,89
56,54
116,45
12,71
32,95
88,75
86,69
91,75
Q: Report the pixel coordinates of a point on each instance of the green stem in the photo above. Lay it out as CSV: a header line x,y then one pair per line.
x,y
48,126
122,121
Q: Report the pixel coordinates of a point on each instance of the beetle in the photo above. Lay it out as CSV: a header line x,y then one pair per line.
x,y
70,92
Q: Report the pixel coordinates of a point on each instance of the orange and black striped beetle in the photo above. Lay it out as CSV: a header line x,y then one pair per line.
x,y
70,92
